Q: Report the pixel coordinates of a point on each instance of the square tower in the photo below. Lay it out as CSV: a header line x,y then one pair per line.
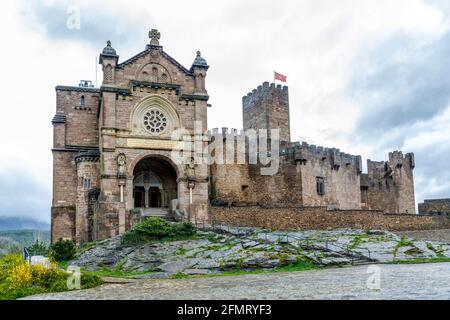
x,y
267,107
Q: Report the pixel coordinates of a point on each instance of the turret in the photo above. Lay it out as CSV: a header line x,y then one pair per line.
x,y
108,60
199,69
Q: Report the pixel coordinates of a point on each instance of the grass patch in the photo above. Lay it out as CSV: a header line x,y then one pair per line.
x,y
413,251
179,275
439,250
181,251
302,264
214,238
403,242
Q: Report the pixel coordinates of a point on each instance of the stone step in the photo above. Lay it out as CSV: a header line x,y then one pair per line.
x,y
158,213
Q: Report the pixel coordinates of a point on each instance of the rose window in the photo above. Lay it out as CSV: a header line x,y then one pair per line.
x,y
155,121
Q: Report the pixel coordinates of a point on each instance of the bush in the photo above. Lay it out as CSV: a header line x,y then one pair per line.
x,y
90,280
63,250
184,229
157,229
39,249
19,279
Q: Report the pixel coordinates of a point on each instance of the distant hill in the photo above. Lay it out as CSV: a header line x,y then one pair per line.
x,y
12,223
26,237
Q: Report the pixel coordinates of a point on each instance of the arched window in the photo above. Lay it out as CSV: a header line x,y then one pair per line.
x,y
155,74
82,101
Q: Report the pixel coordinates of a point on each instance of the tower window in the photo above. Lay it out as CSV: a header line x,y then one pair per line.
x,y
82,101
155,74
320,186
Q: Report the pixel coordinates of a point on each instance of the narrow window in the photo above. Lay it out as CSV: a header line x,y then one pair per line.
x,y
320,185
82,101
155,74
364,194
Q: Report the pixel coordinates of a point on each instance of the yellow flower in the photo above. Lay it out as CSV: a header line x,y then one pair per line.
x,y
19,276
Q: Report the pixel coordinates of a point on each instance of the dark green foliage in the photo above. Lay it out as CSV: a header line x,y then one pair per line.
x,y
184,229
157,229
39,248
63,250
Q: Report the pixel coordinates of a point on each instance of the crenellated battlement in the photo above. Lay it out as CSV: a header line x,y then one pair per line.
x,y
264,91
303,152
225,132
397,159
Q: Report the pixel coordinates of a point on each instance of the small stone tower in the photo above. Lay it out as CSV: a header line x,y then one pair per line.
x,y
267,107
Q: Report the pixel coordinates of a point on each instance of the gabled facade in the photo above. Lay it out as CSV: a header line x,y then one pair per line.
x,y
112,145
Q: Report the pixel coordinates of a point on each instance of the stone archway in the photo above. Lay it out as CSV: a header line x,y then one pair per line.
x,y
154,185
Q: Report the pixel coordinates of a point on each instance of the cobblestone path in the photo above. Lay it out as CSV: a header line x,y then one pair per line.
x,y
419,281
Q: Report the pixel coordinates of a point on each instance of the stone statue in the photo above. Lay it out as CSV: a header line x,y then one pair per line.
x,y
121,162
190,169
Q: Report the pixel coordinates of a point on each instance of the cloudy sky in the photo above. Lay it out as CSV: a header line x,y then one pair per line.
x,y
366,76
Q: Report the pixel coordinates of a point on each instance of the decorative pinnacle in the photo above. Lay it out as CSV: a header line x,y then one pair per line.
x,y
198,54
154,36
108,43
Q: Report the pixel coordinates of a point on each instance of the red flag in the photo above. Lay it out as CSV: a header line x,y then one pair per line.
x,y
279,76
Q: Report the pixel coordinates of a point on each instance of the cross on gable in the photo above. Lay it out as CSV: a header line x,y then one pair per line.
x,y
154,36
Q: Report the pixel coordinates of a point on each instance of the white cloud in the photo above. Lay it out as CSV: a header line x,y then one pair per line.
x,y
313,42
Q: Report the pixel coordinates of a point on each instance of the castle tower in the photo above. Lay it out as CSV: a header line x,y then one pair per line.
x,y
267,107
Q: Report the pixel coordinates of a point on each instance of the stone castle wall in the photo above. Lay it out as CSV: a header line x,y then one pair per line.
x,y
319,218
435,206
389,186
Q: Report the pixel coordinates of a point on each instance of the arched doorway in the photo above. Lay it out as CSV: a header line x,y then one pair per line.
x,y
154,185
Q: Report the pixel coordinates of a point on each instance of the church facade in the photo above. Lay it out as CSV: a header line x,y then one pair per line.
x,y
114,153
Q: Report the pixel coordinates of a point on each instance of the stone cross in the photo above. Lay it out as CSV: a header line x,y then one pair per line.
x,y
154,36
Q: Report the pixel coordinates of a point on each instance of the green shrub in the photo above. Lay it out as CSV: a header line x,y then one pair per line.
x,y
183,229
63,250
157,229
90,280
19,279
39,248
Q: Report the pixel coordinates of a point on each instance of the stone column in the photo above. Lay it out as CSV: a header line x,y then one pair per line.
x,y
147,189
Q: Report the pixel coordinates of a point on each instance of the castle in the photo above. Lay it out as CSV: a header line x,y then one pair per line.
x,y
113,153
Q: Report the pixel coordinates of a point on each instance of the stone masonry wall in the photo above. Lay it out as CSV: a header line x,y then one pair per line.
x,y
319,218
63,223
435,206
82,120
267,107
390,185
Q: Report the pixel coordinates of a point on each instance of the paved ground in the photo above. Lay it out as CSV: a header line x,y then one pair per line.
x,y
421,281
442,235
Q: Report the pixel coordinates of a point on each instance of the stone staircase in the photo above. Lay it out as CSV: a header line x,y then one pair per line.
x,y
157,212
